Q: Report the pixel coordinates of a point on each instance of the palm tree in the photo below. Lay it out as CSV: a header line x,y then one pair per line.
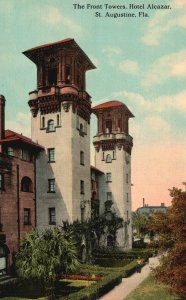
x,y
42,257
139,222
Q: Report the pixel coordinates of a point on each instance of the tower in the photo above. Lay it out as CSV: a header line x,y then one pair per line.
x,y
61,111
113,146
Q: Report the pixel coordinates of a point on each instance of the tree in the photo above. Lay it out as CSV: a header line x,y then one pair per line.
x,y
172,226
42,257
139,222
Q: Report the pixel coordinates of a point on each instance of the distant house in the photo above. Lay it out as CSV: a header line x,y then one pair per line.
x,y
152,209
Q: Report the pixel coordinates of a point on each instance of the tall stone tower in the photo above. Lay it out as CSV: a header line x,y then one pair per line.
x,y
61,111
113,146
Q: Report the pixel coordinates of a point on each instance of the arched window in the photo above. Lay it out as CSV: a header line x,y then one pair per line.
x,y
108,158
51,126
26,184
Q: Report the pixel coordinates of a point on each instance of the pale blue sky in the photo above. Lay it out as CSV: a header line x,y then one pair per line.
x,y
140,61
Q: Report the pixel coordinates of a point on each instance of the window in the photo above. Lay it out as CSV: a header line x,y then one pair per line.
x,y
127,197
113,155
58,120
109,196
108,126
25,155
10,151
50,126
82,214
52,76
1,182
43,122
127,178
27,216
108,158
52,215
82,158
82,187
68,73
109,177
51,185
51,155
26,184
81,130
103,156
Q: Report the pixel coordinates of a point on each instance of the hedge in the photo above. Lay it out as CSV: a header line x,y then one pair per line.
x,y
130,255
113,278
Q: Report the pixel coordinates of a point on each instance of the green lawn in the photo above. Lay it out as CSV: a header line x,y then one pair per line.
x,y
149,289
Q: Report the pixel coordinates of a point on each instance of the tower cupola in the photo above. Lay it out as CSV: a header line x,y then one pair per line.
x,y
61,68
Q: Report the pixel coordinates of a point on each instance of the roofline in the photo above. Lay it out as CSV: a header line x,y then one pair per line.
x,y
95,169
98,107
65,41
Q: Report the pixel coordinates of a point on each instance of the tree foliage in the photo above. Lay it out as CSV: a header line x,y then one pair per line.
x,y
139,222
172,237
91,231
42,257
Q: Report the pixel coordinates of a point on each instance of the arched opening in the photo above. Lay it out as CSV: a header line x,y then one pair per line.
x,y
108,158
50,126
4,251
26,184
110,241
52,76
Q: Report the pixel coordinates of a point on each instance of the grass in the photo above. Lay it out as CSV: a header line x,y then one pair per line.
x,y
149,289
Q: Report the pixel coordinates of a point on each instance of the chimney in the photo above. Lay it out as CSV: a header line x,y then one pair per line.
x,y
143,202
2,118
163,204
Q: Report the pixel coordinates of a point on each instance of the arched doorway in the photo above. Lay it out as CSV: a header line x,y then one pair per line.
x,y
4,251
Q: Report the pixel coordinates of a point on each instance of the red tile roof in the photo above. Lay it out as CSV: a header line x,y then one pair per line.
x,y
11,136
110,104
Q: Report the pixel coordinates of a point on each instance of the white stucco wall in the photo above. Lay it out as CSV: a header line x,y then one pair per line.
x,y
119,187
66,169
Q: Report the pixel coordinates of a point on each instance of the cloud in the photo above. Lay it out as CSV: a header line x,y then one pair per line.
x,y
168,66
111,51
160,104
52,16
164,21
20,124
129,66
124,65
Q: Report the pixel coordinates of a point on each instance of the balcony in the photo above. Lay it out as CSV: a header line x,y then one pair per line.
x,y
113,136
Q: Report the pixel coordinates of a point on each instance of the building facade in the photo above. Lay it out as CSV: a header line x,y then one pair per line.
x,y
17,190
